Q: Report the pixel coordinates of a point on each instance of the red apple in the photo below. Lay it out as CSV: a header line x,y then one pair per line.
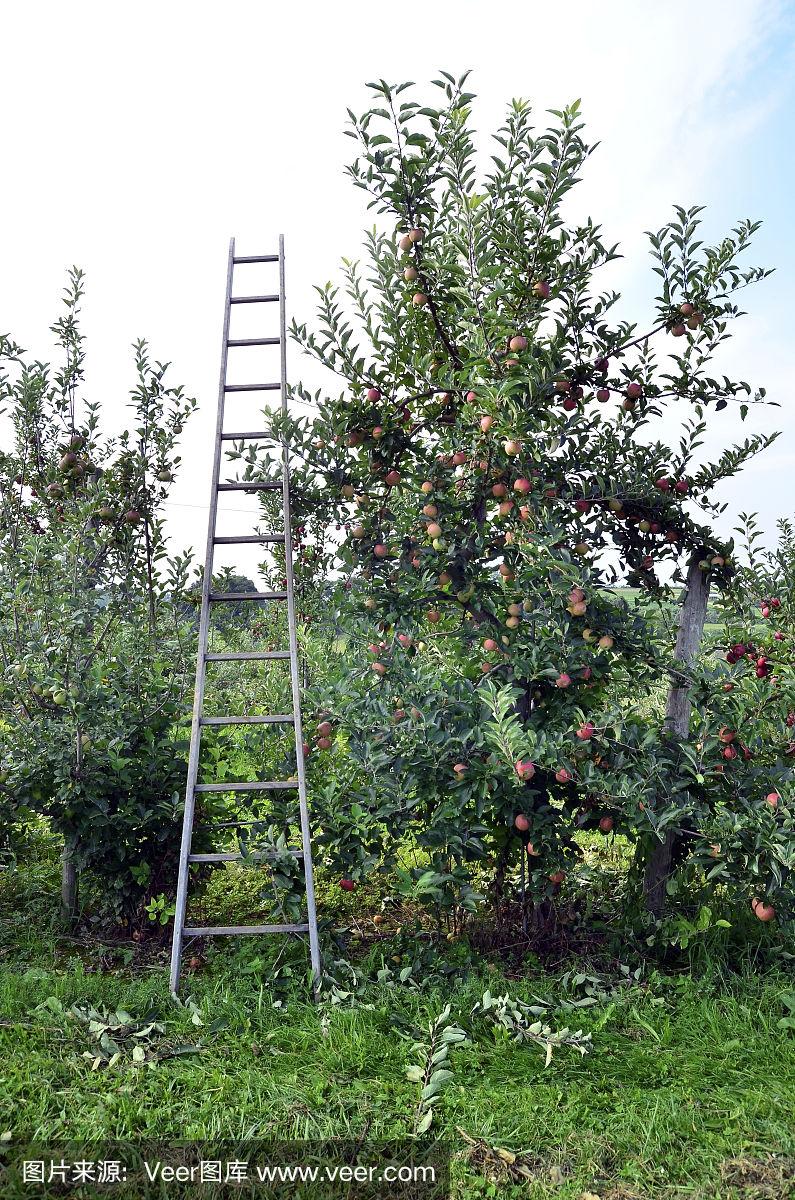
x,y
606,824
525,769
511,446
347,885
602,395
374,395
563,680
521,822
419,299
518,342
486,423
490,645
522,485
393,478
772,798
541,289
681,486
563,775
586,731
764,912
634,391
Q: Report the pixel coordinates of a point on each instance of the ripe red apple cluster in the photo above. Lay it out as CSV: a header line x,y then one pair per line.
x,y
693,318
742,650
324,734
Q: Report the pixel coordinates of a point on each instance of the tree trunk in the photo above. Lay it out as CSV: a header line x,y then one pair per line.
x,y
677,718
69,885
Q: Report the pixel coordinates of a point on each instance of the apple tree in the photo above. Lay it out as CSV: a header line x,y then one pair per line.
x,y
95,652
490,474
744,728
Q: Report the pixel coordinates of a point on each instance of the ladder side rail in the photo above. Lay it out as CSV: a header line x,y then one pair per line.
x,y
314,946
201,667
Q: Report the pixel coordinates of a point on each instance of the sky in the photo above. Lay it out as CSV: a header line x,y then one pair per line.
x,y
138,139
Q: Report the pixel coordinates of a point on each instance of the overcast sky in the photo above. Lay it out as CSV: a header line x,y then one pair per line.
x,y
138,138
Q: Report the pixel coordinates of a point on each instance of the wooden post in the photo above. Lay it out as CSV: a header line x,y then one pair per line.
x,y
677,718
69,886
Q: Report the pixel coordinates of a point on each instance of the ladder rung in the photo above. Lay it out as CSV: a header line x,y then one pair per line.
x,y
271,341
231,930
273,719
252,387
232,596
256,258
270,786
253,486
243,437
236,856
248,656
249,537
253,299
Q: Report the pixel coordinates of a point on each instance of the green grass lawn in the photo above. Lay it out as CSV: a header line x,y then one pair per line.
x,y
688,1091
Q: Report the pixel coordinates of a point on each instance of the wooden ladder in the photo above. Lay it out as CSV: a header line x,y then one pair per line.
x,y
209,598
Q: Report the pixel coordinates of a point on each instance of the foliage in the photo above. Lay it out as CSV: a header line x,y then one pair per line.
x,y
95,651
496,467
432,1072
513,1018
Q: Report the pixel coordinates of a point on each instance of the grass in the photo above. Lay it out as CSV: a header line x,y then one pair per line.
x,y
689,1090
